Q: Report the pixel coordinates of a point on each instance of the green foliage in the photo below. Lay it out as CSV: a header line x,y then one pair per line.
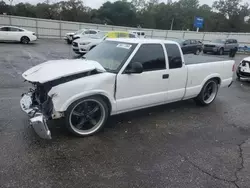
x,y
223,16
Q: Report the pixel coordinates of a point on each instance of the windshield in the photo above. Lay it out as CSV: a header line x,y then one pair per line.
x,y
218,41
99,35
111,54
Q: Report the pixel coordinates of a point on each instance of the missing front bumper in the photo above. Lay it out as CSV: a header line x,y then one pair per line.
x,y
37,119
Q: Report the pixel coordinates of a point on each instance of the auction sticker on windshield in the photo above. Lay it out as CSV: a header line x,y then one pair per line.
x,y
126,46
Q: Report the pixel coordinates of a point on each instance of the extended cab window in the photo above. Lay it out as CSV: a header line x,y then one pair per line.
x,y
151,56
174,56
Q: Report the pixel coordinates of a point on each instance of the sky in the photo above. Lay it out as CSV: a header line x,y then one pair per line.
x,y
98,3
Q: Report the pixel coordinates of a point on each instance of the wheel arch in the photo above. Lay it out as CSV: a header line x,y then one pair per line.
x,y
103,95
210,77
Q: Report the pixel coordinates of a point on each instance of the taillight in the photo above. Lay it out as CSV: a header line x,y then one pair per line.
x,y
233,68
33,34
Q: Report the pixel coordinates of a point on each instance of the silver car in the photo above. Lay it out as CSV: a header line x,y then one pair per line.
x,y
219,46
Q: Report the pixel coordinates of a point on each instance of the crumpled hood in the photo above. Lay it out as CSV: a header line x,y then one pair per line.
x,y
247,58
55,69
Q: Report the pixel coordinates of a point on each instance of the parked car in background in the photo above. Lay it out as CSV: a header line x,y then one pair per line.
x,y
119,75
10,33
140,34
85,33
243,70
84,44
219,46
190,46
69,37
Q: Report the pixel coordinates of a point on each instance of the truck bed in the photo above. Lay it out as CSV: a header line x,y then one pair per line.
x,y
197,59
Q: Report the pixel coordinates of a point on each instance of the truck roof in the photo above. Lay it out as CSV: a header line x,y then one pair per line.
x,y
141,41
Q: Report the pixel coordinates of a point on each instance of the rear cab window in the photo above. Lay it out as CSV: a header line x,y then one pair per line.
x,y
151,56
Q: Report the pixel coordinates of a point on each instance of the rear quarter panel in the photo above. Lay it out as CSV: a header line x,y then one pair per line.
x,y
199,74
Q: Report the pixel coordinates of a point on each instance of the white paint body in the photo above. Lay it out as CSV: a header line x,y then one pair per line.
x,y
128,92
16,34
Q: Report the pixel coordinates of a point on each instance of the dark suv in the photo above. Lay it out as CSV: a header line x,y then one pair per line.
x,y
219,46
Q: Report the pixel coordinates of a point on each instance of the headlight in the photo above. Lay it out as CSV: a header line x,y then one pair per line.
x,y
84,43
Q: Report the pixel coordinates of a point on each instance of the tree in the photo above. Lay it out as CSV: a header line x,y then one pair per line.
x,y
224,15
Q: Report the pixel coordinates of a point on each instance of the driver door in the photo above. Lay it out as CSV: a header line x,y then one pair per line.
x,y
148,88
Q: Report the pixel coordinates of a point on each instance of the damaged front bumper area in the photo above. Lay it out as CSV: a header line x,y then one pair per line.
x,y
37,120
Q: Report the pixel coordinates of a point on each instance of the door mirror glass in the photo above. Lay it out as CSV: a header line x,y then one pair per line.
x,y
134,68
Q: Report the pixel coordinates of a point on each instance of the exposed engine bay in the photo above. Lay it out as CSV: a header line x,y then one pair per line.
x,y
243,70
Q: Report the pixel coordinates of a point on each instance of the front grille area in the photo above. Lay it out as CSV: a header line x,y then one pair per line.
x,y
75,44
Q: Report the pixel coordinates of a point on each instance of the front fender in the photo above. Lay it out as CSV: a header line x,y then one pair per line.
x,y
61,105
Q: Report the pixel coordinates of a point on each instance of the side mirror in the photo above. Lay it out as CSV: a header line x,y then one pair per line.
x,y
134,68
184,44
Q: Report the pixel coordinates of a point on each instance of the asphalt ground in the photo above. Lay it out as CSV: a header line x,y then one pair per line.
x,y
179,145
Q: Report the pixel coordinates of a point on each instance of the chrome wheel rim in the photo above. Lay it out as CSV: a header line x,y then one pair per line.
x,y
210,92
87,117
25,40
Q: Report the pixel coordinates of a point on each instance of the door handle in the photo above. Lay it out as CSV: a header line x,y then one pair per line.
x,y
165,76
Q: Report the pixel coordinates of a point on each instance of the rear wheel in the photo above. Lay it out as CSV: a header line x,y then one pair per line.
x,y
208,93
87,116
25,40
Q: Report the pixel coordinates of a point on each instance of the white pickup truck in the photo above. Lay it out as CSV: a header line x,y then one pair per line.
x,y
117,76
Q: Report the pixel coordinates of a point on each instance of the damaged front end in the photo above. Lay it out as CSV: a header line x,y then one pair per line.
x,y
39,107
38,104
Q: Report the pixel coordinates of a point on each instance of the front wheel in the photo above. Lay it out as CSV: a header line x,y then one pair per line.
x,y
197,52
208,93
87,116
25,40
221,51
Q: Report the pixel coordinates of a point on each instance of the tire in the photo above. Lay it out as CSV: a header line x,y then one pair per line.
x,y
25,40
221,51
197,52
201,98
238,75
92,47
69,42
74,118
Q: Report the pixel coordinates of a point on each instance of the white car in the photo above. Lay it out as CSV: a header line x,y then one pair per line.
x,y
10,33
243,70
140,34
69,37
118,75
85,44
85,33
